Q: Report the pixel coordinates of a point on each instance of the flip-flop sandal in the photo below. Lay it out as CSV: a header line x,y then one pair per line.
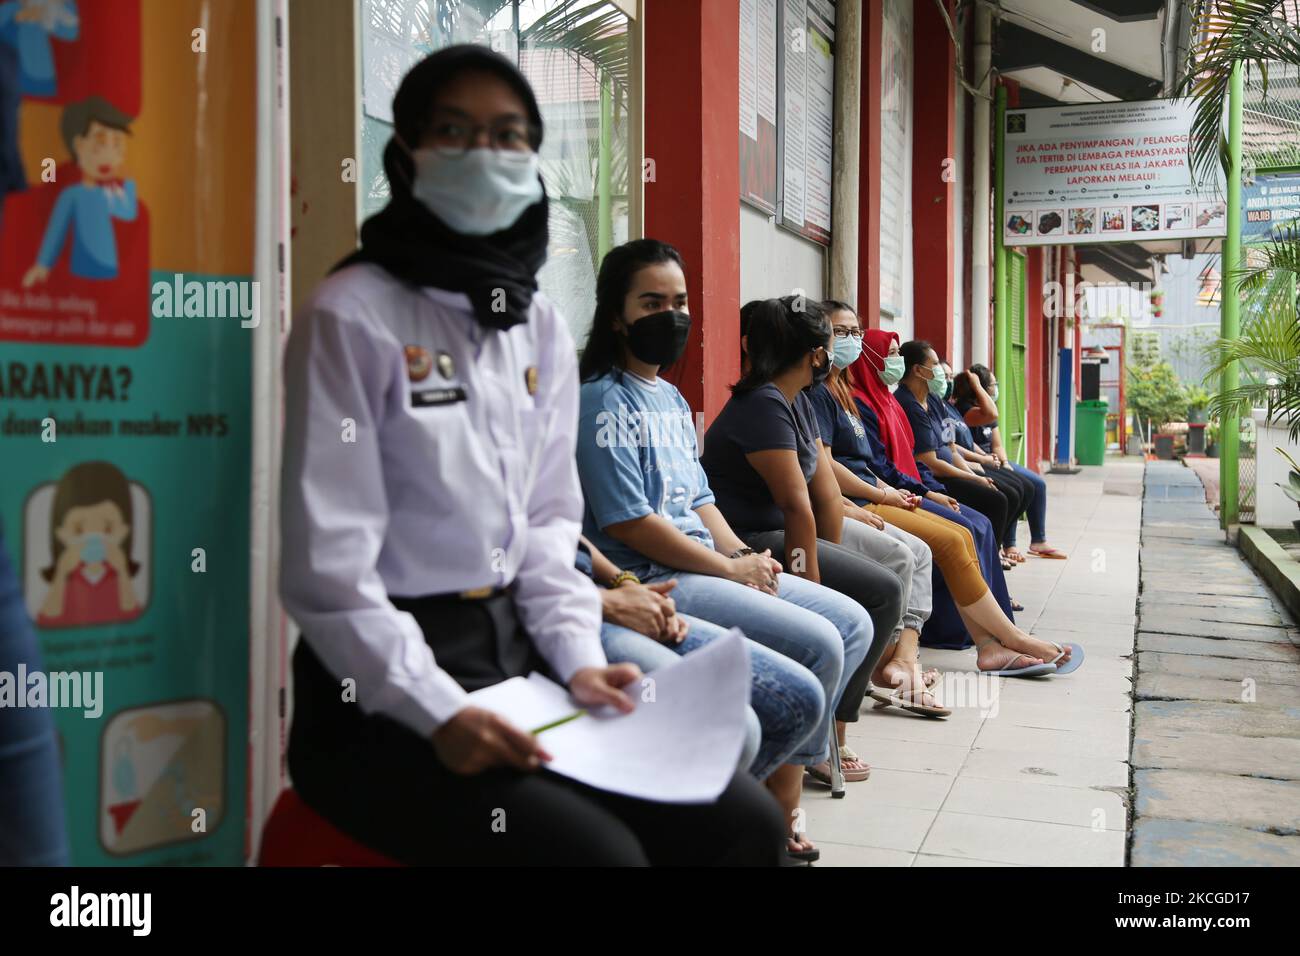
x,y
1033,670
1007,565
1016,605
897,700
846,753
1075,661
800,857
1015,557
1049,553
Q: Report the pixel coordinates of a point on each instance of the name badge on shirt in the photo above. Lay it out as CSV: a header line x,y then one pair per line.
x,y
437,396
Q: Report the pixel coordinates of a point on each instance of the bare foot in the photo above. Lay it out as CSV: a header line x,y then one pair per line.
x,y
905,677
1035,647
994,657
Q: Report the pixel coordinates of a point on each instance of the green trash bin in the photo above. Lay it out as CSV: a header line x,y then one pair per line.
x,y
1090,434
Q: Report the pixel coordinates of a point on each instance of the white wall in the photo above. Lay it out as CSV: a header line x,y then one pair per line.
x,y
775,262
1273,509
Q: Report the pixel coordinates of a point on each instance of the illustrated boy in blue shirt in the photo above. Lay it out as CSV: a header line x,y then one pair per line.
x,y
28,26
95,133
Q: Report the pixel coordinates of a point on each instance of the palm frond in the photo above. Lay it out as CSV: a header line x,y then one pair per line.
x,y
1253,32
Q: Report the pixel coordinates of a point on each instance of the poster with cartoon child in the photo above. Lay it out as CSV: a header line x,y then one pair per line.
x,y
30,26
95,134
74,251
88,575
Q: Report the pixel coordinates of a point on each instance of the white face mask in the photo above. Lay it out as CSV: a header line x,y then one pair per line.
x,y
477,192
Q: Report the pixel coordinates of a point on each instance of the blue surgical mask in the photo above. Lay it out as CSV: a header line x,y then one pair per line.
x,y
847,350
477,192
92,548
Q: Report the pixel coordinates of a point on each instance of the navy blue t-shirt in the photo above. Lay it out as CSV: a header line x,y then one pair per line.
x,y
760,420
982,435
884,466
927,423
956,427
845,435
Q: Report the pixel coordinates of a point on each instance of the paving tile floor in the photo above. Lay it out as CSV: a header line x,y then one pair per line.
x,y
1025,772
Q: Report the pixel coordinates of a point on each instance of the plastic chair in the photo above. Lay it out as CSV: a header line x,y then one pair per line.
x,y
296,835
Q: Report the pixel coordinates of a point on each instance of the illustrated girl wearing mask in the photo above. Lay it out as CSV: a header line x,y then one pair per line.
x,y
91,569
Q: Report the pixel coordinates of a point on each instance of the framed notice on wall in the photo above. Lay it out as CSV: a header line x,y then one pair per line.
x,y
1105,172
758,152
805,83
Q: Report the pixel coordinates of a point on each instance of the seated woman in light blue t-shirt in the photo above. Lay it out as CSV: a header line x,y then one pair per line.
x,y
650,511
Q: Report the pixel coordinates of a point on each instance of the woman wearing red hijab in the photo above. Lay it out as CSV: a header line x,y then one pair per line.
x,y
890,434
879,366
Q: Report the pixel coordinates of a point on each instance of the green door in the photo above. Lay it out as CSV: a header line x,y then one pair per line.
x,y
1013,429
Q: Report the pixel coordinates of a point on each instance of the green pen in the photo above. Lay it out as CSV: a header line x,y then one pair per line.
x,y
556,723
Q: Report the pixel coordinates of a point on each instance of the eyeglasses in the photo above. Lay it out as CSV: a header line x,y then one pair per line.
x,y
455,137
844,333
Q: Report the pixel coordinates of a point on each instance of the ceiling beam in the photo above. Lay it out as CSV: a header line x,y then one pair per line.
x,y
1018,48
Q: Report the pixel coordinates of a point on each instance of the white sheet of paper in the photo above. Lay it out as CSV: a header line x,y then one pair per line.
x,y
681,743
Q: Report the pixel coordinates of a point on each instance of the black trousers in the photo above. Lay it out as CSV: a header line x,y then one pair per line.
x,y
383,785
1013,486
1024,488
990,502
878,589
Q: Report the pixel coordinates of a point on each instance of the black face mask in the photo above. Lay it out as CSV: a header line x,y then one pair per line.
x,y
821,373
659,339
947,392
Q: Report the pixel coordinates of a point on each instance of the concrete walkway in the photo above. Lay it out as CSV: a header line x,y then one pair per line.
x,y
1216,739
1025,772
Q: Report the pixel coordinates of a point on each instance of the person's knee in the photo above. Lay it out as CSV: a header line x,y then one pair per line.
x,y
803,697
753,823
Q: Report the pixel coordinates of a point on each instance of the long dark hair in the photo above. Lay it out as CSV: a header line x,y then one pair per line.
x,y
838,382
604,349
779,333
914,353
85,485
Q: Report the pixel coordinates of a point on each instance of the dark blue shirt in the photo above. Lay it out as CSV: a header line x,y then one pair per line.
x,y
845,435
958,431
982,435
927,423
761,420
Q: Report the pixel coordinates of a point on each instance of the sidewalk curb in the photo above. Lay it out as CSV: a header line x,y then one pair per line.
x,y
1276,567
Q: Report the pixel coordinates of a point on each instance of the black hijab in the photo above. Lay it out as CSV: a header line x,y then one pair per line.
x,y
413,244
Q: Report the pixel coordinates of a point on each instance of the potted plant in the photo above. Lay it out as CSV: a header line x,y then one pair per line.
x,y
1292,488
1212,440
1198,405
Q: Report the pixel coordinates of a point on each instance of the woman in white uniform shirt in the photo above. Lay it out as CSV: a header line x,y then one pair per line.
x,y
431,510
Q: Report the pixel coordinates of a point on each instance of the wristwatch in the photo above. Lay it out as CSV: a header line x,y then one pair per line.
x,y
741,552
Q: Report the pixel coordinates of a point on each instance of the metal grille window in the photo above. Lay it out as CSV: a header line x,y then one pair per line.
x,y
576,55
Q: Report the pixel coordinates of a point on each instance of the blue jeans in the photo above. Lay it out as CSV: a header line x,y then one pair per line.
x,y
31,790
1036,508
785,702
821,629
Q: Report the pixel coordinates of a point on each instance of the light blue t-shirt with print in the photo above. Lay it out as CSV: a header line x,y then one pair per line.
x,y
637,456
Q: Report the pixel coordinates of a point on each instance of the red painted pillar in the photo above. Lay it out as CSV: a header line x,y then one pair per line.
x,y
692,118
869,166
934,144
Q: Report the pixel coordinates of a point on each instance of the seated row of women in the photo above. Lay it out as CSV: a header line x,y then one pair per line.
x,y
835,523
